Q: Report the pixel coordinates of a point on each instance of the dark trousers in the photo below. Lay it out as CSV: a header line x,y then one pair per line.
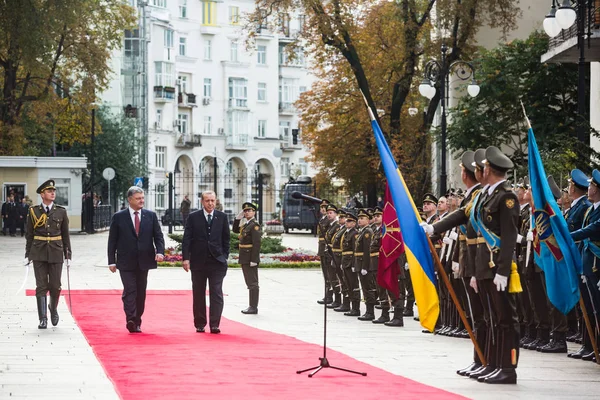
x,y
215,276
539,301
353,285
369,287
134,294
325,260
47,278
558,319
475,311
410,293
250,276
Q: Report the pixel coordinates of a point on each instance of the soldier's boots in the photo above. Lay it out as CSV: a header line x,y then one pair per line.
x,y
355,311
344,307
471,368
42,312
408,311
369,315
558,344
336,302
53,307
385,317
501,376
398,319
253,300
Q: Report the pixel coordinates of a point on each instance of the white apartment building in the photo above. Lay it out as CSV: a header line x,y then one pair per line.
x,y
206,103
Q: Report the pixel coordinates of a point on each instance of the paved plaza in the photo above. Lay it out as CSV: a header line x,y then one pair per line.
x,y
59,364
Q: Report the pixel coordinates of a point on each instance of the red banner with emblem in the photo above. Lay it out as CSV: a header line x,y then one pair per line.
x,y
392,246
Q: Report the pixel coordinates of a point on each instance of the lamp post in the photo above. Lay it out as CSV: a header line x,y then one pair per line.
x,y
564,18
439,73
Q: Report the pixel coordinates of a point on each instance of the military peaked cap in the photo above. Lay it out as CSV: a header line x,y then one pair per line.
x,y
377,211
554,188
478,158
595,178
579,179
467,159
497,159
363,212
351,217
249,206
49,184
331,207
430,198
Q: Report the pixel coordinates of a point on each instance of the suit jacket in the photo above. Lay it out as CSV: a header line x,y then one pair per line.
x,y
126,249
574,216
198,244
590,230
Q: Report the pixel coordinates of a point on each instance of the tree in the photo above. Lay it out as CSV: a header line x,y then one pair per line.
x,y
512,74
361,35
54,58
115,146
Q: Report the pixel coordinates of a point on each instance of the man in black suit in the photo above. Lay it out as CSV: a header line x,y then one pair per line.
x,y
135,244
205,252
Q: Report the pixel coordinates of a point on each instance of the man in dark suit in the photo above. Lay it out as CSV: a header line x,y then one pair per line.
x,y
135,244
205,252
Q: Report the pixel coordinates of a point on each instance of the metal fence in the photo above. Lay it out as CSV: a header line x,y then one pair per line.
x,y
101,215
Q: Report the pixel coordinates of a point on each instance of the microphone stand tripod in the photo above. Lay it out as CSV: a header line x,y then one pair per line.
x,y
324,362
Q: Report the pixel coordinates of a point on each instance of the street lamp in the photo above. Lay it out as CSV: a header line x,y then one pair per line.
x,y
440,72
564,18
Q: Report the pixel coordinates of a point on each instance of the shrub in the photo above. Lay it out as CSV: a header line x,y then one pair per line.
x,y
268,245
305,264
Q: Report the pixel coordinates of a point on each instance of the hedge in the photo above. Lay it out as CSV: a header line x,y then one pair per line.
x,y
268,245
295,265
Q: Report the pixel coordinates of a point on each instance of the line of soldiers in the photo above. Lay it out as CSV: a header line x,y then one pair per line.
x,y
349,251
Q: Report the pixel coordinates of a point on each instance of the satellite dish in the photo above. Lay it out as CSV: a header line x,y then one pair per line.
x,y
108,173
277,152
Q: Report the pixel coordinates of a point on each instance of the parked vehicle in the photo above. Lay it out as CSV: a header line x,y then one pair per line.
x,y
177,217
299,214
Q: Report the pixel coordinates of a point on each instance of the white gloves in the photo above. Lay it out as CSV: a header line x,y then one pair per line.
x,y
26,261
406,266
583,279
427,228
353,269
519,238
473,284
501,282
598,285
447,240
240,215
363,272
530,236
455,268
453,235
68,262
253,264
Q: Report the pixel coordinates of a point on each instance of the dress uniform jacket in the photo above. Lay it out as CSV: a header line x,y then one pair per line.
x,y
589,235
521,248
250,238
362,249
47,237
333,240
374,248
322,228
348,243
575,214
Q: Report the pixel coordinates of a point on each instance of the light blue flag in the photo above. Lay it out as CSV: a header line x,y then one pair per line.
x,y
555,251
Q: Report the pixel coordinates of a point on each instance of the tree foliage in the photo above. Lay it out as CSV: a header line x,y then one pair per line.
x,y
375,47
511,74
54,58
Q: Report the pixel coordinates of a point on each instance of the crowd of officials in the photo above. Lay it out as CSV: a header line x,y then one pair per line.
x,y
14,214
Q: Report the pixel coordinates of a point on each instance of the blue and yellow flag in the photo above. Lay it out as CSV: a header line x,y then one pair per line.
x,y
416,244
555,251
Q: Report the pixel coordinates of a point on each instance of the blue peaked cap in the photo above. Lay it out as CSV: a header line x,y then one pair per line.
x,y
595,177
580,179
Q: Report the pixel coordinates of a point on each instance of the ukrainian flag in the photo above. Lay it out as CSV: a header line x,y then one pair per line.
x,y
416,243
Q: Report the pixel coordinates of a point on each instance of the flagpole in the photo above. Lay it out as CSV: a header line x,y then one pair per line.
x,y
588,325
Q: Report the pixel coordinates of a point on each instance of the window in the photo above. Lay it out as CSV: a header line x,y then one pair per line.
x,y
285,166
234,15
182,43
169,38
209,13
164,74
208,49
262,128
284,130
159,156
237,123
207,87
238,92
132,43
159,3
182,123
62,193
233,53
182,8
288,91
301,89
297,60
158,123
284,24
262,91
261,55
303,166
229,167
182,84
207,125
301,22
159,196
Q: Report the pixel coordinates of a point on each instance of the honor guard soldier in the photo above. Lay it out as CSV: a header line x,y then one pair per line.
x,y
334,257
324,256
250,238
48,244
362,264
382,294
334,238
350,273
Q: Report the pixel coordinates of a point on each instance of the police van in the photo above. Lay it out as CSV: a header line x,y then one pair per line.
x,y
297,213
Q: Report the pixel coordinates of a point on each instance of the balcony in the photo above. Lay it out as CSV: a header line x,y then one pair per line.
x,y
186,100
287,35
286,144
287,108
563,48
187,141
238,103
164,93
237,142
263,32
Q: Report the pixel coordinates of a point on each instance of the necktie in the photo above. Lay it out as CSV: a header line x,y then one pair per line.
x,y
209,219
47,209
137,223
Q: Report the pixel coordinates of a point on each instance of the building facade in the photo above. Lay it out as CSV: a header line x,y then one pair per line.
x,y
215,114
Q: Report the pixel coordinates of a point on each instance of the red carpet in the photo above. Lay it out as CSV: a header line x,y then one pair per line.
x,y
171,361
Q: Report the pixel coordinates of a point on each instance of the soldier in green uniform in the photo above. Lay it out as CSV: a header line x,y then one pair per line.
x,y
382,295
322,227
250,237
362,264
350,273
333,238
47,245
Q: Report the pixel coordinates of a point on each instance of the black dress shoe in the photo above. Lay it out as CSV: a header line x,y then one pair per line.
x,y
367,317
131,326
503,376
474,366
482,378
398,322
342,308
215,329
43,323
352,313
408,313
580,353
138,329
200,330
555,346
250,310
482,372
335,304
589,357
382,319
325,301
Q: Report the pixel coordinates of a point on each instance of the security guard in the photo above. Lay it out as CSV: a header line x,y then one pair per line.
x,y
48,244
350,273
250,237
362,263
